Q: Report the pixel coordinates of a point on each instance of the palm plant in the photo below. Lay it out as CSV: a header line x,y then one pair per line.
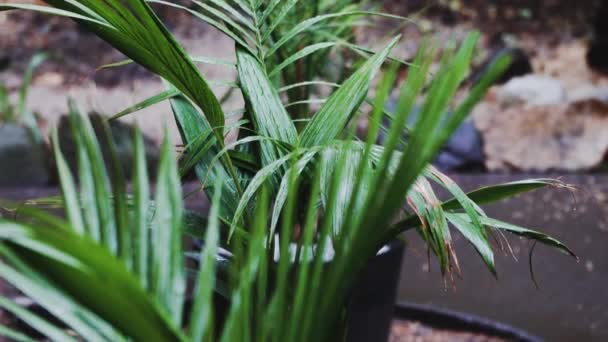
x,y
331,193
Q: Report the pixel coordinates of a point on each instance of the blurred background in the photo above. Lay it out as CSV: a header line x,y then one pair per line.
x,y
547,117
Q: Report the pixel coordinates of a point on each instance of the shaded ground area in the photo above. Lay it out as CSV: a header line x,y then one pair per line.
x,y
549,17
570,303
76,53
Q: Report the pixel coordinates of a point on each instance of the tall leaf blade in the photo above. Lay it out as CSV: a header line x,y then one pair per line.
x,y
168,265
31,283
202,310
69,192
119,197
520,231
343,103
192,125
99,177
267,113
34,321
84,270
141,204
476,238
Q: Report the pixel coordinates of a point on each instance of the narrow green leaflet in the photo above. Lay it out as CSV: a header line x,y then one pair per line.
x,y
517,230
308,50
202,309
29,281
119,201
34,321
191,125
266,110
281,196
62,257
308,23
51,10
494,193
141,205
14,335
486,195
343,103
99,178
478,239
277,18
168,266
209,20
69,192
256,182
165,95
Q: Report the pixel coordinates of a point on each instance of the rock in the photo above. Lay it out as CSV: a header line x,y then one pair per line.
x,y
122,134
464,150
569,136
555,121
535,90
589,92
50,79
23,162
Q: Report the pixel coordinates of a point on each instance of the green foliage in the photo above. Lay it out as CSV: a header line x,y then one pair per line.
x,y
18,112
282,199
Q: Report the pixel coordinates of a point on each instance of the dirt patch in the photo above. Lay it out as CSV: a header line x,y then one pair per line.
x,y
409,331
75,53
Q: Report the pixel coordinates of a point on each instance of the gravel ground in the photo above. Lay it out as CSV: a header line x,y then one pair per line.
x,y
409,331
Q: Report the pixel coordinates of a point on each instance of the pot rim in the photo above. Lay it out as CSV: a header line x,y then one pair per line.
x,y
441,318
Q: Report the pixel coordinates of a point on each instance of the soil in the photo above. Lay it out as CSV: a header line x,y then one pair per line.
x,y
401,331
544,17
25,33
410,331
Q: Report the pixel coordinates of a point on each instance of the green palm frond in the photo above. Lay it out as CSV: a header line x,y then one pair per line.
x,y
295,214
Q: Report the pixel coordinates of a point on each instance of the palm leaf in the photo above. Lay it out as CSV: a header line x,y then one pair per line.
x,y
267,113
66,257
341,105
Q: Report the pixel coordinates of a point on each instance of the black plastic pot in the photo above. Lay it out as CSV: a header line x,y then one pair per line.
x,y
371,303
457,321
370,311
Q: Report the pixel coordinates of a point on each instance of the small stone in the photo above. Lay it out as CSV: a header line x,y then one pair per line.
x,y
50,79
565,136
463,151
535,90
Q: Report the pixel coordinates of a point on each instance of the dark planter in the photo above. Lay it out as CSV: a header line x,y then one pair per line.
x,y
370,311
457,321
371,303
